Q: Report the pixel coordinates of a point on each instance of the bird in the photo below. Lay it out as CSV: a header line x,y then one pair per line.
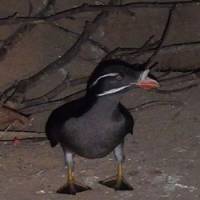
x,y
96,124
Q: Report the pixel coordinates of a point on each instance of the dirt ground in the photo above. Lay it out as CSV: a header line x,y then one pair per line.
x,y
162,157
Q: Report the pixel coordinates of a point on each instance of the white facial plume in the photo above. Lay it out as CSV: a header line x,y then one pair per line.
x,y
104,76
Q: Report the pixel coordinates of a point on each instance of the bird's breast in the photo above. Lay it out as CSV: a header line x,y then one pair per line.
x,y
94,135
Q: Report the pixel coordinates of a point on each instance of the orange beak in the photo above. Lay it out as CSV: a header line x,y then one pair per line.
x,y
148,84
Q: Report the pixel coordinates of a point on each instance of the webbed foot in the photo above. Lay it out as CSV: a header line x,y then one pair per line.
x,y
117,183
72,188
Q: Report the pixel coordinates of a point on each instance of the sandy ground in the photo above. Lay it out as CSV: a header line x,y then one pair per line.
x,y
162,159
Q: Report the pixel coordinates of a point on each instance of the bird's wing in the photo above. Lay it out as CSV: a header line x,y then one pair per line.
x,y
129,118
60,115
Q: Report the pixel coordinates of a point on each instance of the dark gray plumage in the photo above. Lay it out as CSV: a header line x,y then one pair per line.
x,y
97,123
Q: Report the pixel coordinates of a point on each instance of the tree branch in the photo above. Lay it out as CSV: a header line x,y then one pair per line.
x,y
163,36
28,83
10,116
50,105
93,42
155,103
92,8
12,39
38,136
53,93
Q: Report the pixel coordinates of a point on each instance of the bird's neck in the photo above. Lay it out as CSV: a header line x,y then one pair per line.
x,y
104,104
109,102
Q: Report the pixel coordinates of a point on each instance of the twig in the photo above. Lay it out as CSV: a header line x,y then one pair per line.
x,y
44,105
30,8
53,93
21,135
93,42
180,89
118,50
170,49
177,77
79,81
164,34
123,52
164,49
92,8
11,40
155,103
12,117
54,103
30,135
33,139
48,96
50,105
25,84
33,135
175,47
12,131
6,130
145,45
163,75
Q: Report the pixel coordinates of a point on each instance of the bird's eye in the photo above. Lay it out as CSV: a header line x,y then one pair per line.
x,y
119,77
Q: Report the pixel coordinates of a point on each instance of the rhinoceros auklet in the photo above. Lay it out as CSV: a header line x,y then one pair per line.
x,y
96,124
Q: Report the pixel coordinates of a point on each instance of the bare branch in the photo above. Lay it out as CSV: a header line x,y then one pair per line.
x,y
11,40
179,89
53,93
93,42
124,53
152,103
25,84
163,36
21,135
12,117
50,105
38,136
92,8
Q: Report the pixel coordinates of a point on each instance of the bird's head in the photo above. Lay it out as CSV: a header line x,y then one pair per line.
x,y
115,76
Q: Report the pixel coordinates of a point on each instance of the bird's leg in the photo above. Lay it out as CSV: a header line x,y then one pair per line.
x,y
119,175
118,182
71,187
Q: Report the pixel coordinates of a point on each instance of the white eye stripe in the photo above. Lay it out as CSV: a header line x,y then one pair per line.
x,y
104,76
114,90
